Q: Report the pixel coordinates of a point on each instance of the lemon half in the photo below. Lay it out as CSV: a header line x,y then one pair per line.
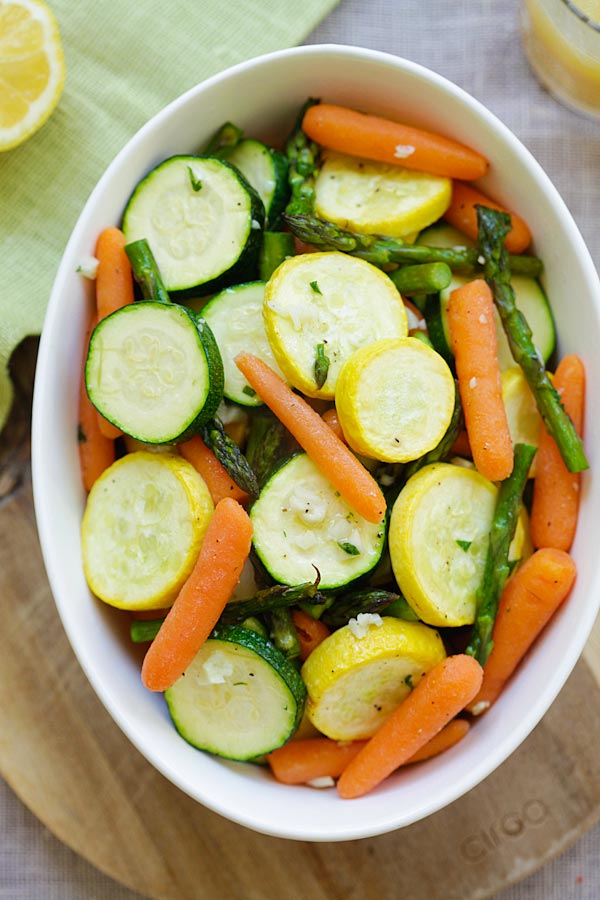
x,y
32,69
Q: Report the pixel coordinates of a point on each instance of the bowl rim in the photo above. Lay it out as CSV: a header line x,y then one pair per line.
x,y
351,829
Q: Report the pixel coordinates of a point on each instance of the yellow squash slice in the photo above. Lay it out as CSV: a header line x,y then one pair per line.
x,y
332,301
354,683
142,529
438,540
394,399
374,198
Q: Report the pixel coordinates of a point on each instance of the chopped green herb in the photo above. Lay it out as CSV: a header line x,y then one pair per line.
x,y
196,182
81,438
349,548
248,390
315,287
321,365
236,683
408,682
464,545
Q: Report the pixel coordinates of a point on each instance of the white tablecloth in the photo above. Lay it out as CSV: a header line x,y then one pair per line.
x,y
476,44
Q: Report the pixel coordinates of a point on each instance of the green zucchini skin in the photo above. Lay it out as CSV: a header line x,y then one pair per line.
x,y
267,678
177,181
266,170
302,525
152,431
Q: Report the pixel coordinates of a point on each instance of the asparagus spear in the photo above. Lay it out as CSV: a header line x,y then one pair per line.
x,y
277,246
227,137
283,633
493,228
367,601
381,251
302,155
142,630
269,443
145,271
277,597
427,278
497,569
229,455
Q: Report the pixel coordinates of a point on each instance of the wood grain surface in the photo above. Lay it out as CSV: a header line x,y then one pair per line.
x,y
67,760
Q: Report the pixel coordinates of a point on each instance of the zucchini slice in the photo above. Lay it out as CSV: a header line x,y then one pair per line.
x,y
142,529
533,303
329,301
395,399
359,674
266,170
236,320
376,198
301,524
154,370
202,219
443,235
239,698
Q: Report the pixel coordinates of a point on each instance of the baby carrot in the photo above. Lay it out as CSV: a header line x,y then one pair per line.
x,y
462,214
330,417
114,289
206,463
440,695
454,732
475,346
556,490
529,600
310,632
202,598
461,446
371,137
301,761
96,452
327,451
114,281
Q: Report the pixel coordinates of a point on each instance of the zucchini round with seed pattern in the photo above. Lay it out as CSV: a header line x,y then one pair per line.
x,y
154,370
202,220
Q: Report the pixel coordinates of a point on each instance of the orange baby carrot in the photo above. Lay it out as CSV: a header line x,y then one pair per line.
x,y
440,695
114,281
371,137
299,762
475,346
330,417
310,632
556,490
454,732
114,289
461,446
202,598
96,452
329,454
462,214
529,600
206,463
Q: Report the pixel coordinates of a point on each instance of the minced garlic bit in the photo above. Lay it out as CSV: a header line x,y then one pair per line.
x,y
361,624
88,267
479,708
483,318
473,382
326,781
403,150
481,260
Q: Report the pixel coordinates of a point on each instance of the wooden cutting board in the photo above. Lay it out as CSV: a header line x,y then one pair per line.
x,y
67,760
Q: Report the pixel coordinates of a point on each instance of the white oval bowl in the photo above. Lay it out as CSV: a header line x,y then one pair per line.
x,y
263,96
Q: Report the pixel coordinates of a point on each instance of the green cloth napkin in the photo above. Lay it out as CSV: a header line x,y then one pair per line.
x,y
124,63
